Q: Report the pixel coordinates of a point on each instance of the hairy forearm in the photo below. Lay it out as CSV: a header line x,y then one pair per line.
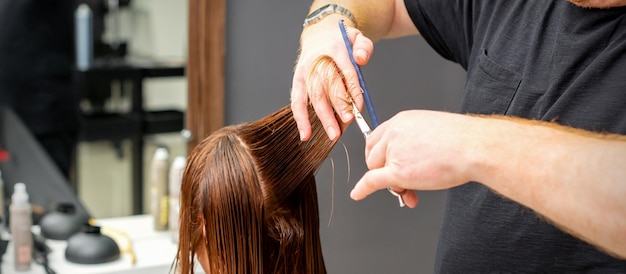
x,y
375,18
574,178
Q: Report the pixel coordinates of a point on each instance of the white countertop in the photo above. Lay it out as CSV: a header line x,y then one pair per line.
x,y
155,251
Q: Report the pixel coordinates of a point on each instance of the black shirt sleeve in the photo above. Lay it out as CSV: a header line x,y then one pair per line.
x,y
446,25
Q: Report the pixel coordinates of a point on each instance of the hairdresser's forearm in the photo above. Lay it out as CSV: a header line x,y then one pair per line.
x,y
375,18
576,180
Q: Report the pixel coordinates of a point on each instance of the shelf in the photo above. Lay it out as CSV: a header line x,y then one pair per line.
x,y
109,126
163,121
115,126
138,122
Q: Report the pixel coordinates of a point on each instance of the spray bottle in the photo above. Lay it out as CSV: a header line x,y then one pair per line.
x,y
158,190
83,36
176,176
20,227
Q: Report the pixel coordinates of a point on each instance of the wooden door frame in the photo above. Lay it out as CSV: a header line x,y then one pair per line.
x,y
205,68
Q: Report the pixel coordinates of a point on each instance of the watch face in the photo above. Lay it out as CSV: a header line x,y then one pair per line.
x,y
319,11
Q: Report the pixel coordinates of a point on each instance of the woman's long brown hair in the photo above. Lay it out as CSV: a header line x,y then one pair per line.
x,y
249,200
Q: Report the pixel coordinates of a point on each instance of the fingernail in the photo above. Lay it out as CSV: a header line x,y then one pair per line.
x,y
301,132
346,116
352,195
360,54
332,134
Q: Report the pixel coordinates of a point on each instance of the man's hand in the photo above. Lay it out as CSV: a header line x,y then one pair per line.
x,y
324,39
417,150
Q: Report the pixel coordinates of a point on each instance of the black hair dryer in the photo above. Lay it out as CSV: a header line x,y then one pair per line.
x,y
61,223
91,247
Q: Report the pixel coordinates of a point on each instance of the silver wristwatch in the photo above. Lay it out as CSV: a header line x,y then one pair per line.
x,y
326,10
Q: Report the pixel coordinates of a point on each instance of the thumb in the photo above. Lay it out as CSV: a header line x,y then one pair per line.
x,y
372,180
378,179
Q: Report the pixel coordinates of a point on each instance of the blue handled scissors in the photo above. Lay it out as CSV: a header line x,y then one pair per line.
x,y
358,116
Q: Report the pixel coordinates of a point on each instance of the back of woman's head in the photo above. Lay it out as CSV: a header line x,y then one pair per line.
x,y
249,201
248,197
221,207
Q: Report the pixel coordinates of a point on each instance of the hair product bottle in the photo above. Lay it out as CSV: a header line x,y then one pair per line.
x,y
158,190
83,35
20,227
176,176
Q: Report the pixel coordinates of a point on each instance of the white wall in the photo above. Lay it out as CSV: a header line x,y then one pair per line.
x,y
158,29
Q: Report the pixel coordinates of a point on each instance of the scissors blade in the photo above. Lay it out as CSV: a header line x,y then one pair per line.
x,y
360,121
366,130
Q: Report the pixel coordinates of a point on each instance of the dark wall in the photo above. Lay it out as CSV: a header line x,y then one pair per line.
x,y
370,236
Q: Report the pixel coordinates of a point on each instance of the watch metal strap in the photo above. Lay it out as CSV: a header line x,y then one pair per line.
x,y
326,10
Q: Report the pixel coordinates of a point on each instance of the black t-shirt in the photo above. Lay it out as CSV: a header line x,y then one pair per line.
x,y
539,59
36,62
